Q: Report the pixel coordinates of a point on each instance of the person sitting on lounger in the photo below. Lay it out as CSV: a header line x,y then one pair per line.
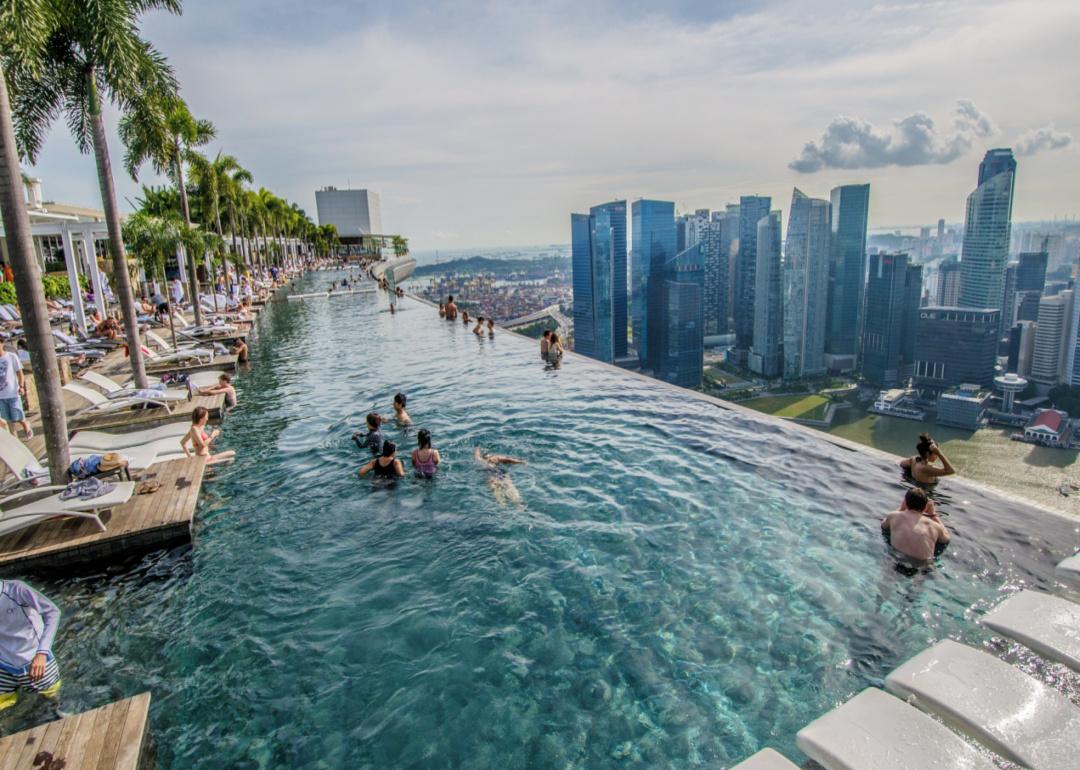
x,y
921,466
915,529
498,480
386,466
201,440
224,385
400,414
373,439
28,622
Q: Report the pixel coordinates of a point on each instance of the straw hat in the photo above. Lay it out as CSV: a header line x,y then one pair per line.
x,y
110,461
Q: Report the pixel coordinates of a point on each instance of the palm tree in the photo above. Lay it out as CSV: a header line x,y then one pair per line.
x,y
24,27
401,245
162,130
152,239
94,53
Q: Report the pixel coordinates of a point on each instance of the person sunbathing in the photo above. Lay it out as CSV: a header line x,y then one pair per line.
x,y
201,440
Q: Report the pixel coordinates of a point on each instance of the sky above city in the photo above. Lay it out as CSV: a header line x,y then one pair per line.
x,y
485,124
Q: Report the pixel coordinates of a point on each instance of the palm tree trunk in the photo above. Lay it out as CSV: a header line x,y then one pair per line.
x,y
193,277
116,239
31,296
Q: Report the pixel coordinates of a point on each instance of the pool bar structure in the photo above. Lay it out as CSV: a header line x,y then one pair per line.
x,y
942,703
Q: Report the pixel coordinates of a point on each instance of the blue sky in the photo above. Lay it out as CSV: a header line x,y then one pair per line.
x,y
489,123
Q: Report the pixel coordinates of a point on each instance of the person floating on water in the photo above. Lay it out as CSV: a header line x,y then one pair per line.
x,y
386,466
425,459
498,479
400,414
915,529
28,623
921,466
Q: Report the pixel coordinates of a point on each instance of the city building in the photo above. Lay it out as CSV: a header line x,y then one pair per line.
x,y
730,245
893,293
1024,287
963,407
1050,357
752,209
654,242
353,212
598,258
678,340
1071,369
948,286
1009,385
716,247
1021,348
955,345
985,251
898,402
766,355
806,285
1049,427
847,266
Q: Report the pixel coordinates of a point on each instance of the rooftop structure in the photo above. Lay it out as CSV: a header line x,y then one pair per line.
x,y
1049,427
1009,384
963,407
353,212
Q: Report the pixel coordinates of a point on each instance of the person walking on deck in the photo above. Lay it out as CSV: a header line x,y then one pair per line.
x,y
28,623
12,389
176,291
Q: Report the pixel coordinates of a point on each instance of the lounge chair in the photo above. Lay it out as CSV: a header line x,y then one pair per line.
x,y
181,352
27,469
1047,624
23,516
118,442
24,467
998,705
113,389
766,759
875,731
100,404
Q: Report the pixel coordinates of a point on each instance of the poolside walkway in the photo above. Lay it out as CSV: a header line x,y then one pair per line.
x,y
113,737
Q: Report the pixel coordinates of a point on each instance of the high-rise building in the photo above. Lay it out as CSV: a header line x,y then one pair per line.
x,y
1021,348
954,346
948,287
730,245
715,252
987,228
678,340
352,212
1071,373
1008,309
598,257
1030,280
766,355
847,267
654,241
1051,356
695,226
893,292
752,209
806,285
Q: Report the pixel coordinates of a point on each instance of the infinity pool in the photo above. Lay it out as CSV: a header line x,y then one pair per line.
x,y
681,585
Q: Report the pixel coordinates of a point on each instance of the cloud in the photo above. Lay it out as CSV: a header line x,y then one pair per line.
x,y
1043,138
852,143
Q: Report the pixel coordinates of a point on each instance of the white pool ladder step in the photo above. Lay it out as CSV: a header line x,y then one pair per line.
x,y
1047,624
995,703
766,759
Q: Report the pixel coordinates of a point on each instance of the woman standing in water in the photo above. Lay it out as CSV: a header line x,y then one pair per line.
x,y
555,351
425,459
387,466
921,466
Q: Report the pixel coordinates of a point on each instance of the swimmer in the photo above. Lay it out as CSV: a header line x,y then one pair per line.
x,y
498,480
920,466
425,459
545,343
451,309
200,440
915,529
224,385
442,310
491,327
387,466
373,439
465,317
555,351
479,328
400,414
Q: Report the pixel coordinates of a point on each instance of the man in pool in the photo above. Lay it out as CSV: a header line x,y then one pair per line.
x,y
451,309
28,622
498,480
915,529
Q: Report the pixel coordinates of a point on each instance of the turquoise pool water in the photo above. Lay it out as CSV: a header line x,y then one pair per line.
x,y
680,586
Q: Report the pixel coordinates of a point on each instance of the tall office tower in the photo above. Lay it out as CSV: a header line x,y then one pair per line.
x,y
766,355
598,259
653,226
986,232
955,345
893,293
806,285
847,267
1021,347
752,209
939,242
715,256
948,293
695,226
1008,310
1071,373
730,235
678,339
682,224
1030,280
1050,358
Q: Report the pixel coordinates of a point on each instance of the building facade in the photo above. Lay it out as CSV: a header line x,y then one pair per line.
x,y
598,258
353,212
948,286
716,245
987,230
954,346
847,267
806,285
893,294
752,209
1050,356
766,355
1021,348
654,242
679,338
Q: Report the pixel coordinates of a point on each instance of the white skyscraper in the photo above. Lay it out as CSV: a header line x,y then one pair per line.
x,y
1049,361
806,285
352,212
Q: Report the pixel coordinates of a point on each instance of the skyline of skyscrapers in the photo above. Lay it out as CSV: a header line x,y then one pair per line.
x,y
987,230
806,285
847,269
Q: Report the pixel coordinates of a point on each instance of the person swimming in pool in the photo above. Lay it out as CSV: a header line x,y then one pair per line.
x,y
400,414
451,309
491,327
479,328
915,529
921,466
545,343
498,479
425,459
386,466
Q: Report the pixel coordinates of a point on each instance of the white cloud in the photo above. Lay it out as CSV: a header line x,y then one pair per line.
x,y
1043,138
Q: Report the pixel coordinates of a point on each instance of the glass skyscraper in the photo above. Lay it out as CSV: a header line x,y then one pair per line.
x,y
598,261
806,285
767,351
893,293
654,241
752,209
716,255
679,334
987,228
847,268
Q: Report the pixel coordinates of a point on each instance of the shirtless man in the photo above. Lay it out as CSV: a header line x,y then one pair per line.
x,y
920,466
451,309
498,480
915,529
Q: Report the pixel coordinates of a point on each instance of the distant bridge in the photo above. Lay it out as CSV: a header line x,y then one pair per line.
x,y
551,311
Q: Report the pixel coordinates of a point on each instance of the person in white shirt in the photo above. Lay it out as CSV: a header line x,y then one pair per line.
x,y
28,622
12,389
176,291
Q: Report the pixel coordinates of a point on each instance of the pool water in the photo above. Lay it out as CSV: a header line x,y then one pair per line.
x,y
680,585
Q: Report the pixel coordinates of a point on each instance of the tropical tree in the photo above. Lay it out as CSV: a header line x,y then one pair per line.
x,y
94,53
152,239
24,28
401,245
161,129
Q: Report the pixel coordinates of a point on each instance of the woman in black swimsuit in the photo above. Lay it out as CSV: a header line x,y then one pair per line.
x,y
387,466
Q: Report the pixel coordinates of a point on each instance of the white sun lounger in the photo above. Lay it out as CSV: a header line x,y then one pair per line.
x,y
139,457
766,759
875,731
114,389
100,404
995,703
20,461
1047,624
13,519
117,442
191,348
1069,570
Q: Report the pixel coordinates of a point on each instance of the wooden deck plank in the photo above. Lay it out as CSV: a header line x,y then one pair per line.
x,y
145,418
134,733
39,739
69,735
92,733
110,744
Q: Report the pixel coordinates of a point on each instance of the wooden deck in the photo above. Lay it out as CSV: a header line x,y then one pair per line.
x,y
145,418
144,523
226,363
113,737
